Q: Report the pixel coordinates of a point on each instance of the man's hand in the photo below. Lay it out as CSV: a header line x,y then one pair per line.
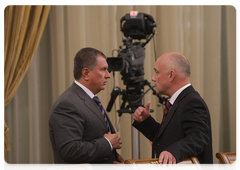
x,y
142,113
119,165
114,140
166,157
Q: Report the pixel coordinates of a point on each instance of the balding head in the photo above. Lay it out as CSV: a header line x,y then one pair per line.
x,y
172,71
178,62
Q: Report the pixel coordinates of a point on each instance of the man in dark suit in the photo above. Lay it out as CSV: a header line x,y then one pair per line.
x,y
185,130
80,132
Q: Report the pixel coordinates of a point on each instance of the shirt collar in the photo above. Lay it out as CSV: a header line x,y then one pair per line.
x,y
91,95
176,94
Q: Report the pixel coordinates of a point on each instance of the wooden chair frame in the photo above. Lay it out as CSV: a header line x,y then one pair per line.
x,y
226,157
192,160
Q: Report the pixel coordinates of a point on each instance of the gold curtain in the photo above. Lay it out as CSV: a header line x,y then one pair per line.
x,y
23,28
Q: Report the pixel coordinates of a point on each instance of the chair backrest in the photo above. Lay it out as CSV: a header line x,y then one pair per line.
x,y
85,166
148,164
226,157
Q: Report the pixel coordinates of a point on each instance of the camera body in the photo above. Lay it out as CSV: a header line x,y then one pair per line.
x,y
130,62
130,59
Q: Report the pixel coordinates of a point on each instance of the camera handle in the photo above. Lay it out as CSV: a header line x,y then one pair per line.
x,y
117,91
162,100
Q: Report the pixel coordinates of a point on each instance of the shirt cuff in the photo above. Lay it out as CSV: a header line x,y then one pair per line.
x,y
109,143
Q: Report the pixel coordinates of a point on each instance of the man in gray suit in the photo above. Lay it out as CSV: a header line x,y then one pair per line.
x,y
80,132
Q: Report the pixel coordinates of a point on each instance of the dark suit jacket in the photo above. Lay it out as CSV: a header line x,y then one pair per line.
x,y
186,131
76,129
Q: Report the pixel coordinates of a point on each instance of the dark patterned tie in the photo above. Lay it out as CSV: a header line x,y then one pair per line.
x,y
165,112
96,99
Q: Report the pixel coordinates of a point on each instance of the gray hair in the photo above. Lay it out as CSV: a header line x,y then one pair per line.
x,y
85,58
181,63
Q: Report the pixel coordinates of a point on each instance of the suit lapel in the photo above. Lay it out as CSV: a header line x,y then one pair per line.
x,y
89,102
168,118
110,124
173,110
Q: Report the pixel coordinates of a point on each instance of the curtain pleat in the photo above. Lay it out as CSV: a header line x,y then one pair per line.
x,y
23,29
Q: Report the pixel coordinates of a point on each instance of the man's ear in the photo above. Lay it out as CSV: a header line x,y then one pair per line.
x,y
172,75
85,73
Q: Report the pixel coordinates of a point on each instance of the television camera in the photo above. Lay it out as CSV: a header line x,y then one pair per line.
x,y
130,61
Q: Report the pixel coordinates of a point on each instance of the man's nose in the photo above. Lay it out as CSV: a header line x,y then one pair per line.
x,y
108,75
153,79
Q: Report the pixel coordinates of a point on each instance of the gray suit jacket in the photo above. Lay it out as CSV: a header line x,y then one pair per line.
x,y
76,129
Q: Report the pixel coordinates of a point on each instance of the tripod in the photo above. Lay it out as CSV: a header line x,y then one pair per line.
x,y
133,95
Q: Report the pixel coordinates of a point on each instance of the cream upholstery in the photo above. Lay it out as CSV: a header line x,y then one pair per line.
x,y
152,164
229,160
